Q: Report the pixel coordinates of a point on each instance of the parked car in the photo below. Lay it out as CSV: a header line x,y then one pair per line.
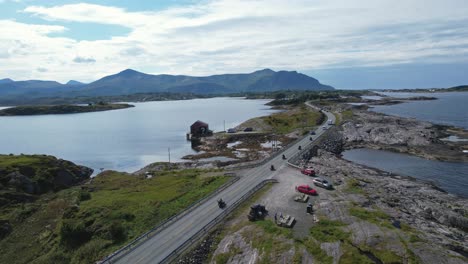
x,y
322,183
231,130
306,189
248,129
308,171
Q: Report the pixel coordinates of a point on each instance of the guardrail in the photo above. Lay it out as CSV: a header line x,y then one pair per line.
x,y
265,160
205,230
141,239
293,161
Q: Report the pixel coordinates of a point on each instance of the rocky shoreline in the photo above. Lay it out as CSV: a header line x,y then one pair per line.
x,y
419,222
404,135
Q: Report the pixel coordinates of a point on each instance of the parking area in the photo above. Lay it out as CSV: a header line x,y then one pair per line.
x,y
280,199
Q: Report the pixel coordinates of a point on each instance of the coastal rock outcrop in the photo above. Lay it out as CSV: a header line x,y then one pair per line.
x,y
378,131
25,176
430,213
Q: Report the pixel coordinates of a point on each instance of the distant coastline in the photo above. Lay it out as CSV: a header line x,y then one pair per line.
x,y
60,109
461,88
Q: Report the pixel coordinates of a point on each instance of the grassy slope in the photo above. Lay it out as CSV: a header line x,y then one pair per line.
x,y
85,223
289,121
39,172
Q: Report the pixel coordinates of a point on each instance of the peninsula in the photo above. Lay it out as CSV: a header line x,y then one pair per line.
x,y
60,109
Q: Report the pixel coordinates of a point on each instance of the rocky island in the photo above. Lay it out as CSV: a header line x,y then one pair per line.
x,y
61,109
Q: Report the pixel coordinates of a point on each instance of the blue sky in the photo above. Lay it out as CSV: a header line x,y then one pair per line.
x,y
353,44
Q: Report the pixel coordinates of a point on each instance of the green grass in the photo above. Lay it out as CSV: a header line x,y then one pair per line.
x,y
329,231
372,216
225,230
351,255
267,237
271,228
41,170
9,161
411,258
286,122
270,242
414,238
387,256
346,115
325,231
314,249
224,257
85,223
353,186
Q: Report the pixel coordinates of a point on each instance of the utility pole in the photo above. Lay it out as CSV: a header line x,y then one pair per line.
x,y
169,152
224,123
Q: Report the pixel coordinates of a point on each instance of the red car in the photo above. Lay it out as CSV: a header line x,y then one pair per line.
x,y
306,189
308,171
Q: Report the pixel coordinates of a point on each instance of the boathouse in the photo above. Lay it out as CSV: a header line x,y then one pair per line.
x,y
200,128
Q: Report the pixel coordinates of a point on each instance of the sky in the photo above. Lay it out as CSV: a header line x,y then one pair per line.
x,y
349,44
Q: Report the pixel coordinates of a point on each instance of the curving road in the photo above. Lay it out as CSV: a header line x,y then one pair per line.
x,y
155,249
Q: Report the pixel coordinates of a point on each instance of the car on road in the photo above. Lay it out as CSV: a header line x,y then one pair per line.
x,y
322,183
306,189
324,127
308,172
312,132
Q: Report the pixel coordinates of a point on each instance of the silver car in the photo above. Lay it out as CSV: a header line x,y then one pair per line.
x,y
322,183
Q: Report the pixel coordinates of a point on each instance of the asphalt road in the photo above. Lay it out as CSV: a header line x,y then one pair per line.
x,y
155,249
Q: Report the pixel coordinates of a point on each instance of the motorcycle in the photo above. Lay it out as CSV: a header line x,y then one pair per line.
x,y
221,203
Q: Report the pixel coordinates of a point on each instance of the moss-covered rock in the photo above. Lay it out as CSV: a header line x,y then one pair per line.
x,y
24,177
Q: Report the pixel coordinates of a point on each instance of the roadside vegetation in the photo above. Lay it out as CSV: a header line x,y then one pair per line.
x,y
298,118
82,224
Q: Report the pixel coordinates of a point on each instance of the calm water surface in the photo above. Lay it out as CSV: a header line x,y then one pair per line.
x,y
126,139
449,109
450,176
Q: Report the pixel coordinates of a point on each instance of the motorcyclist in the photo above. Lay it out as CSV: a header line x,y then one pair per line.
x,y
284,157
221,203
299,148
272,167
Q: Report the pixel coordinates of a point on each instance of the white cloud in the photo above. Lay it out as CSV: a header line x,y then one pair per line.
x,y
83,60
238,36
83,12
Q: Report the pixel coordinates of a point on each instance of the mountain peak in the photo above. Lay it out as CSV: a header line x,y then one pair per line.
x,y
6,80
74,83
129,72
266,70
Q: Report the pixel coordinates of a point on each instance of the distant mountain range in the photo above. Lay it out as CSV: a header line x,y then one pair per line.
x,y
132,82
